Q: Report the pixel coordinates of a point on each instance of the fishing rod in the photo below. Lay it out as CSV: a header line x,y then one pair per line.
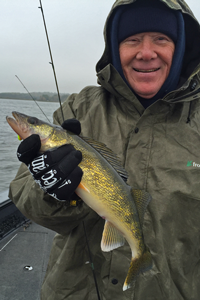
x,y
33,98
91,262
51,63
53,67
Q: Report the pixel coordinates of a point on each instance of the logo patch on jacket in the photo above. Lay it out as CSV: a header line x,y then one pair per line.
x,y
193,164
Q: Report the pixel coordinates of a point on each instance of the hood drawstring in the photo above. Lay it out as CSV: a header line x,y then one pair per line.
x,y
189,112
193,85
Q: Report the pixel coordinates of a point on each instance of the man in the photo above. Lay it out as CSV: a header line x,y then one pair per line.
x,y
146,110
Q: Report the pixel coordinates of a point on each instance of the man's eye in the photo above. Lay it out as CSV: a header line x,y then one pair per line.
x,y
132,41
162,38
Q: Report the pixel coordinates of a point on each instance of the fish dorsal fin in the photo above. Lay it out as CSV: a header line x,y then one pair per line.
x,y
111,238
141,199
109,156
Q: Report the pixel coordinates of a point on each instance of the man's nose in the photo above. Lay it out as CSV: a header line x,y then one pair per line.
x,y
146,51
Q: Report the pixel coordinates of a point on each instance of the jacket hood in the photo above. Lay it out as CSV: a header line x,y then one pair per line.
x,y
192,31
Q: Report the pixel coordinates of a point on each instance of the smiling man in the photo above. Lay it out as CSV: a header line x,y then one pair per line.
x,y
147,45
147,110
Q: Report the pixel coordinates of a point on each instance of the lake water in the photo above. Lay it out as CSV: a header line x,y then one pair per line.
x,y
9,142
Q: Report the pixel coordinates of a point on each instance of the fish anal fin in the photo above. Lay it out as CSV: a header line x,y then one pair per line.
x,y
111,238
141,199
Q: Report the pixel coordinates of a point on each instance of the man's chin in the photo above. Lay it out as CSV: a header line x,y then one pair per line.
x,y
145,92
146,96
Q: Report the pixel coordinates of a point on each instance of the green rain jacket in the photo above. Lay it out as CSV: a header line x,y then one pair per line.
x,y
160,149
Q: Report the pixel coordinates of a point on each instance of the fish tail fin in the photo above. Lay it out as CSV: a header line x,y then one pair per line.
x,y
138,265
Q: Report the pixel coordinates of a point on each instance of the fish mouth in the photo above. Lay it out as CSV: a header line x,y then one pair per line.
x,y
146,71
19,125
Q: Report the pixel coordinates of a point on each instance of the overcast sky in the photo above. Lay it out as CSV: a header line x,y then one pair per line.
x,y
75,29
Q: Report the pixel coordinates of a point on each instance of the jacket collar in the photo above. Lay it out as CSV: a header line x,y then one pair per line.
x,y
111,80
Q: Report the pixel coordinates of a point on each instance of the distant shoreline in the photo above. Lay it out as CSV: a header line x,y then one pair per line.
x,y
37,100
37,96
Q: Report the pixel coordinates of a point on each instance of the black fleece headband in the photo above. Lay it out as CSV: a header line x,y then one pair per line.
x,y
136,19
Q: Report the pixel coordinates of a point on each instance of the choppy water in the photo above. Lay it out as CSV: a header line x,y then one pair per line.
x,y
9,163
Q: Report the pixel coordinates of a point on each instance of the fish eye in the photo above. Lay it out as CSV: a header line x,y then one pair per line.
x,y
32,120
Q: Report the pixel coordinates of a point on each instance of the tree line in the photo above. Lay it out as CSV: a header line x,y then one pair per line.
x,y
38,96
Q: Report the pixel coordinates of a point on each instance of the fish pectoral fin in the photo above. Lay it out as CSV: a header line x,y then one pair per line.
x,y
141,199
81,186
111,238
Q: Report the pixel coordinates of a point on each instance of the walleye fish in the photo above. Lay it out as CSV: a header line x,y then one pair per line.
x,y
101,188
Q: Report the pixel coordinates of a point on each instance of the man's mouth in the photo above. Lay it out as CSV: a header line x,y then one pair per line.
x,y
146,71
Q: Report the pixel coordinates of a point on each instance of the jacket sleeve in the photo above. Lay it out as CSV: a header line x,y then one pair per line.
x,y
43,209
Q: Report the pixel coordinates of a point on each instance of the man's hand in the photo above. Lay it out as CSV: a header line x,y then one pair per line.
x,y
56,171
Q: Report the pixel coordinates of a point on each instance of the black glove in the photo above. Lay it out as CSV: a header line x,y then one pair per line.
x,y
72,125
56,171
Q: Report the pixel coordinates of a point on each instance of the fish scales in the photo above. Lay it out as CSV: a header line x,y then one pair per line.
x,y
101,188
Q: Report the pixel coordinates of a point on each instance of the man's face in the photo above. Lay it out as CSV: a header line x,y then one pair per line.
x,y
146,60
